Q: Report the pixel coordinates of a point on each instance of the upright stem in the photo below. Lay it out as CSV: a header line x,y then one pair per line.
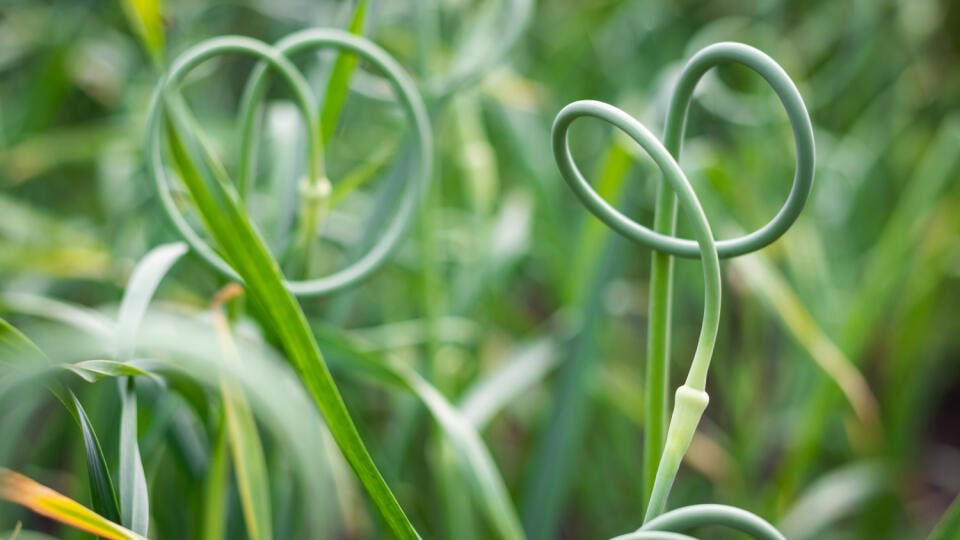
x,y
661,305
665,444
314,199
658,338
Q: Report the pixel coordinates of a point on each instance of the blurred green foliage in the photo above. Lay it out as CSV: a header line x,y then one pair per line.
x,y
836,381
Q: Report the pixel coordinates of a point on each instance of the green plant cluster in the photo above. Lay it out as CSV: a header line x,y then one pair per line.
x,y
351,269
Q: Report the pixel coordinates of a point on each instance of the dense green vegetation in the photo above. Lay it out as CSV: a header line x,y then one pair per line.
x,y
381,311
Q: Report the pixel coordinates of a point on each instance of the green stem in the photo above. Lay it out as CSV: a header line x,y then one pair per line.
x,y
661,277
659,472
414,110
314,203
704,515
692,399
657,377
246,257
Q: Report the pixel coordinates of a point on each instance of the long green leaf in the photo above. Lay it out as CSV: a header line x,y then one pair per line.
x,y
102,492
147,19
527,367
13,342
770,286
339,83
140,289
134,499
229,224
215,490
834,496
143,283
244,441
75,316
95,370
478,467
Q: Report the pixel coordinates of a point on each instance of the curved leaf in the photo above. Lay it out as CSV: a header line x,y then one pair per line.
x,y
143,283
244,438
95,370
339,83
19,489
515,377
102,492
477,464
146,18
245,249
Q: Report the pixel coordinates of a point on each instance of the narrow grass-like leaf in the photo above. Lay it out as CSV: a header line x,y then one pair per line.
x,y
146,277
16,531
511,380
246,449
134,499
554,462
12,341
102,492
25,534
761,277
362,174
215,490
339,83
140,289
95,370
146,18
243,247
248,462
19,489
478,467
833,497
72,315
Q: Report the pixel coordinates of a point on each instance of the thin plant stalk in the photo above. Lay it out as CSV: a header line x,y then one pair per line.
x,y
661,274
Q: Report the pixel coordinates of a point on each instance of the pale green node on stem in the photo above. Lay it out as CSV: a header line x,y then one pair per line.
x,y
688,406
691,398
275,59
245,255
664,447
